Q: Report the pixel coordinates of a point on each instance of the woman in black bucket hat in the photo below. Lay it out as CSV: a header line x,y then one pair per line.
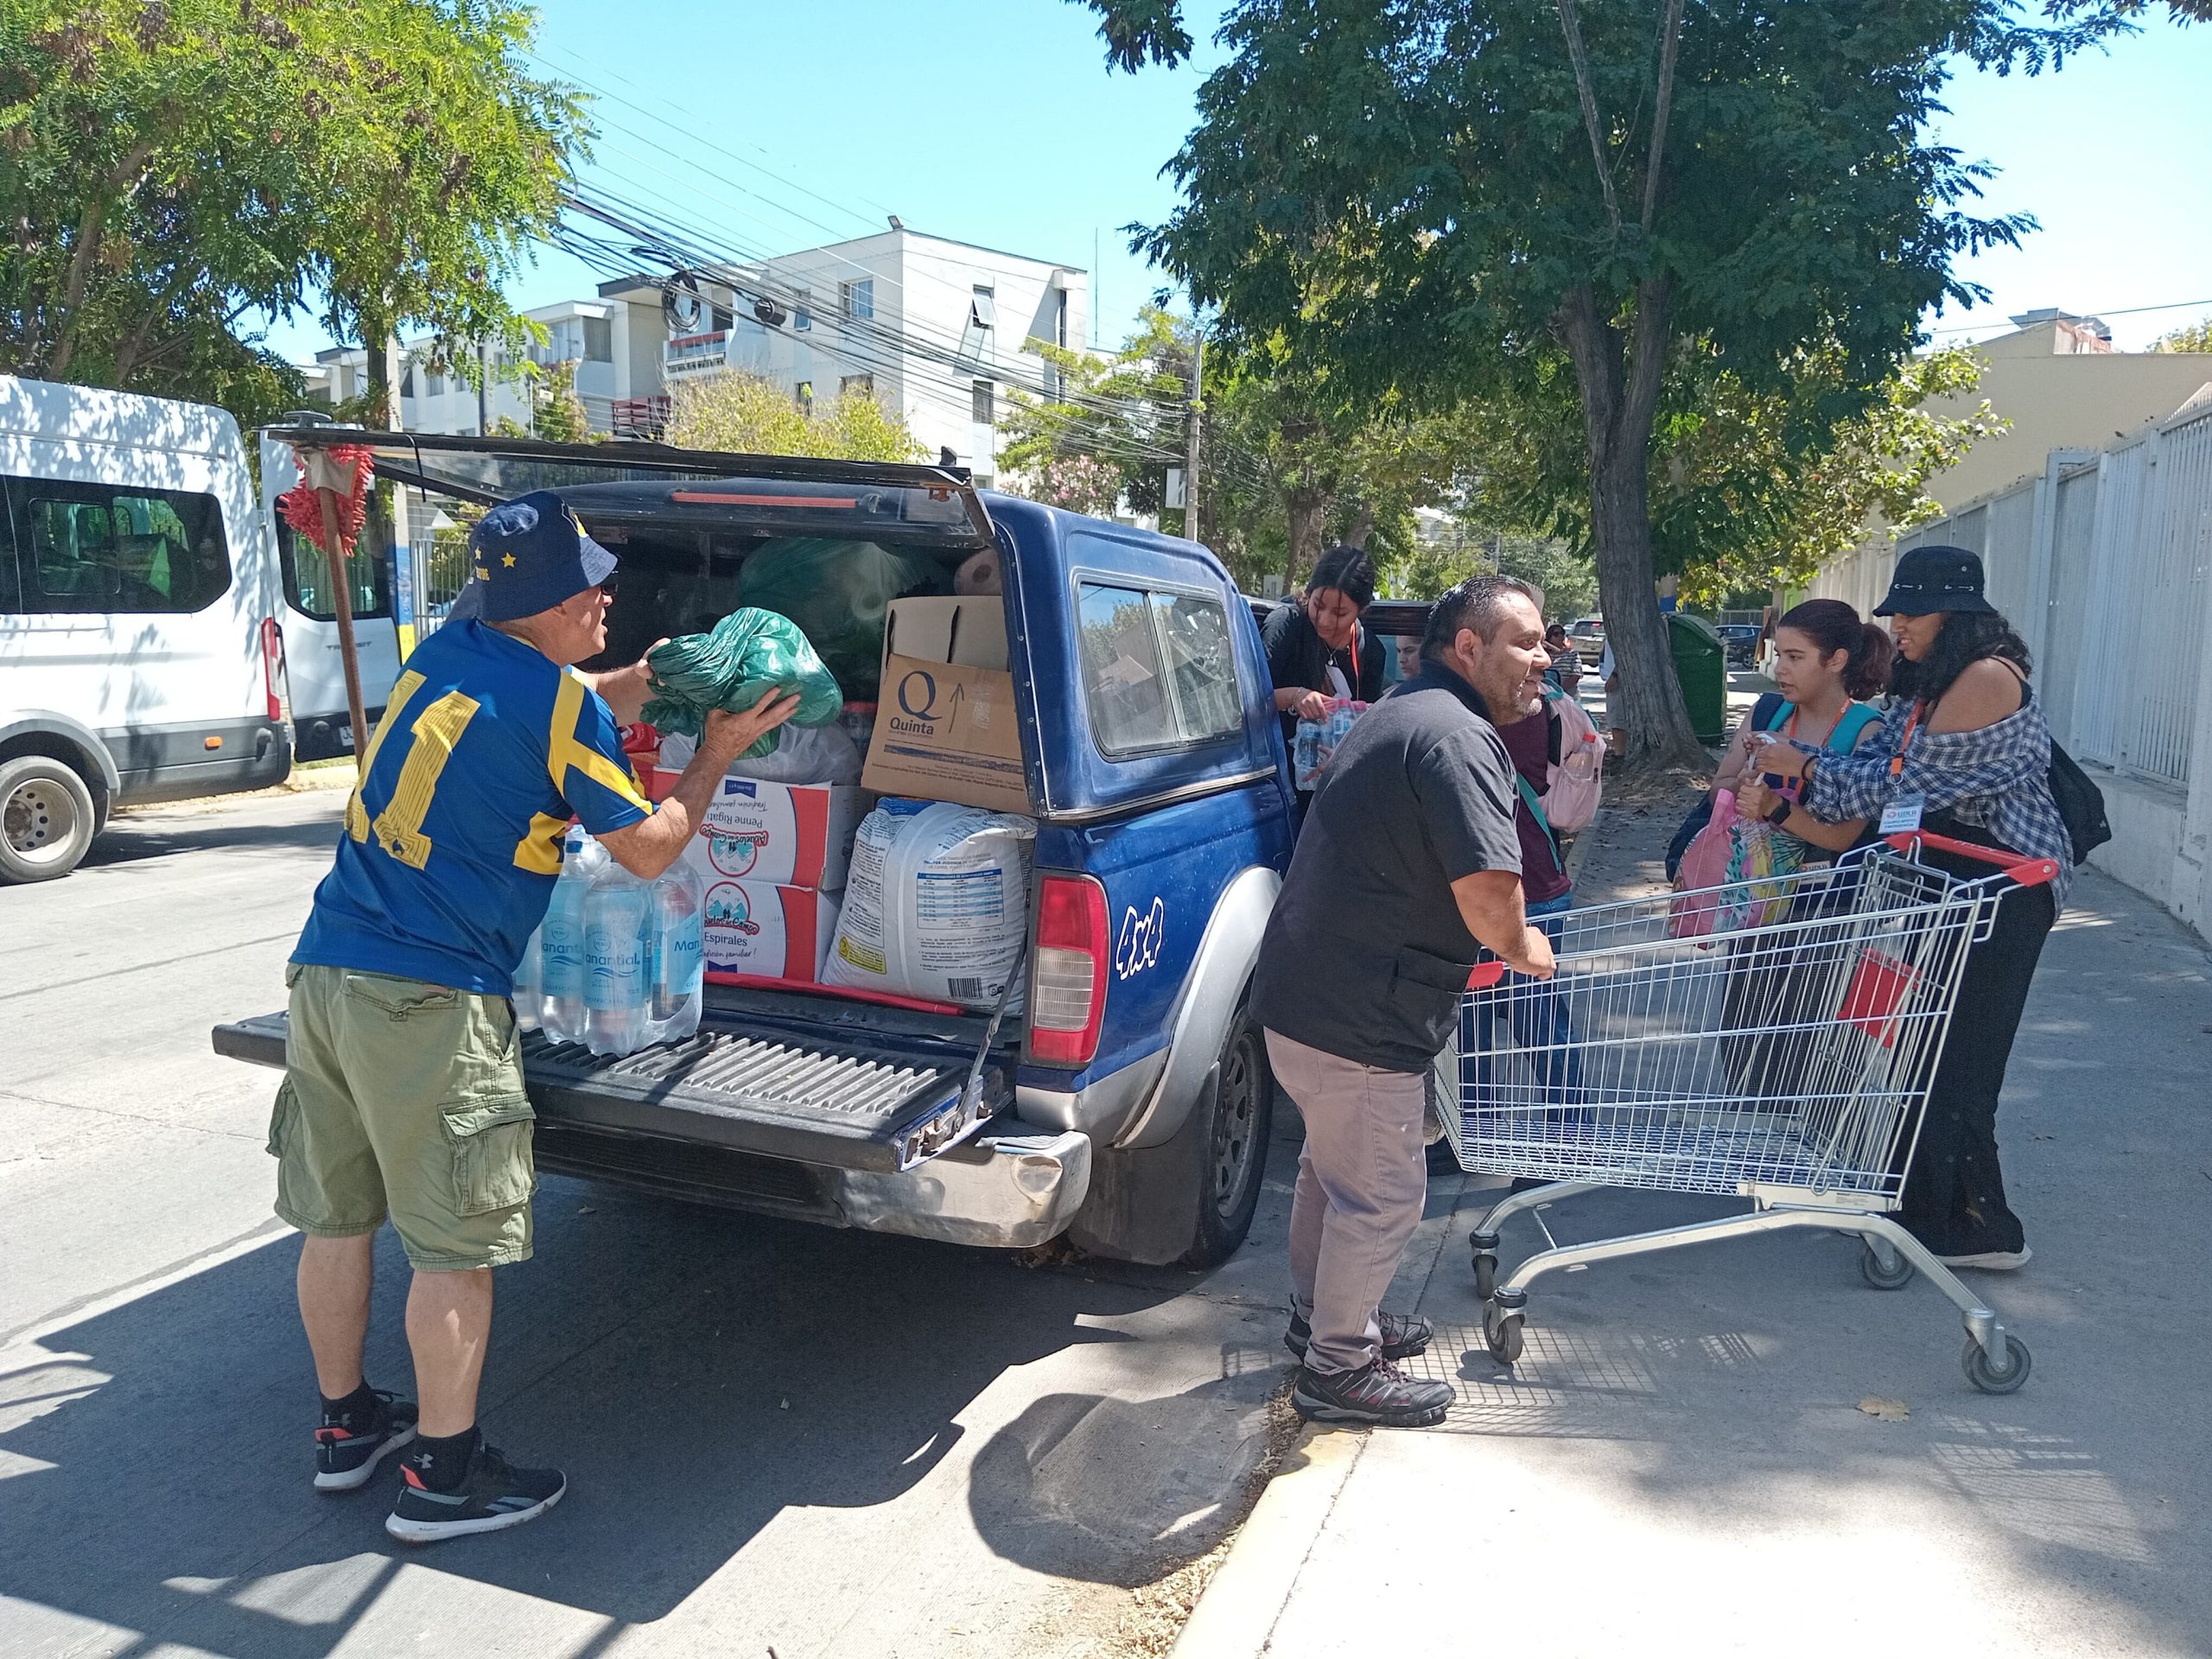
x,y
1966,745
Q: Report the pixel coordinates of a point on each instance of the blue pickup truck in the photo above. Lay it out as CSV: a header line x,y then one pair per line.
x,y
1129,1110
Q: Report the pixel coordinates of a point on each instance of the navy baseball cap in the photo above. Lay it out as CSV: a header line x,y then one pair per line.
x,y
527,555
1931,579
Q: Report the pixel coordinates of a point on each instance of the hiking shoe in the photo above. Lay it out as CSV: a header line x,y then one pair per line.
x,y
1377,1394
1404,1335
1991,1261
346,1454
493,1493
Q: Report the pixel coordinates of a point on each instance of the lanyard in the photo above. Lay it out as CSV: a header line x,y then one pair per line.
x,y
1896,760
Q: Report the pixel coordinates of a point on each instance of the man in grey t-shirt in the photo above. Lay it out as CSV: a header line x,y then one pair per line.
x,y
1407,863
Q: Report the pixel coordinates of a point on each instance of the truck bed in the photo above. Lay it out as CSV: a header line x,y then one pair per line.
x,y
800,1080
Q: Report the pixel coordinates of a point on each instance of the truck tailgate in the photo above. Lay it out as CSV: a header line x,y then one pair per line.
x,y
841,1099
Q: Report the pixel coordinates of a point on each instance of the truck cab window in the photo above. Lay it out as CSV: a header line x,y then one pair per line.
x,y
1159,669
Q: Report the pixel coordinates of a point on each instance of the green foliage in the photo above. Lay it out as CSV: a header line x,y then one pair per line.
x,y
1532,205
1129,413
745,415
559,413
170,169
2193,337
1457,549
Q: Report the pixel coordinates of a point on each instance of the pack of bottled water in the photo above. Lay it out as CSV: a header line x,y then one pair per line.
x,y
618,964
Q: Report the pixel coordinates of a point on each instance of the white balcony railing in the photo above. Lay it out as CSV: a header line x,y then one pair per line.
x,y
696,353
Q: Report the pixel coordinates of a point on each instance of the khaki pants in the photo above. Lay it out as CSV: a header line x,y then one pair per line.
x,y
1362,1181
406,1098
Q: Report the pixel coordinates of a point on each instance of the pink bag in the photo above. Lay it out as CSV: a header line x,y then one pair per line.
x,y
1704,869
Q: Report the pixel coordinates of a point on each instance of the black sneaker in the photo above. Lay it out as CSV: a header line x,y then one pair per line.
x,y
347,1453
494,1494
1404,1335
1378,1393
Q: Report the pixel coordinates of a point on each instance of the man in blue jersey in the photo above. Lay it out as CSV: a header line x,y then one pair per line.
x,y
403,1094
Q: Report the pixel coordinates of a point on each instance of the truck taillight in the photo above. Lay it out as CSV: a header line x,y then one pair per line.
x,y
1067,983
274,679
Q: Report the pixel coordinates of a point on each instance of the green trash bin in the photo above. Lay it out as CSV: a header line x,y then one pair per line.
x,y
1701,665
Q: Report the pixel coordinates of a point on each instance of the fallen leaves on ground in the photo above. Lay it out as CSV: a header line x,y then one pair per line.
x,y
1889,1411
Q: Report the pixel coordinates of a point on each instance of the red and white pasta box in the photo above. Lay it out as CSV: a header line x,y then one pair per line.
x,y
791,834
771,932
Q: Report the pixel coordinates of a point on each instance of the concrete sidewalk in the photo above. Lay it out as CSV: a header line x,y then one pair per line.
x,y
1678,1463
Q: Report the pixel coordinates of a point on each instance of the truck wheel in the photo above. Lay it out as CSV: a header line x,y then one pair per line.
x,y
1242,1113
45,819
1189,1201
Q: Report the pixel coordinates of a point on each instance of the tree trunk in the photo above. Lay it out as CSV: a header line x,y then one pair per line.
x,y
1620,396
1362,527
1306,506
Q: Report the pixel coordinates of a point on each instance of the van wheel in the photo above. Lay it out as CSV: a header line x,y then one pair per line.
x,y
45,819
1242,1115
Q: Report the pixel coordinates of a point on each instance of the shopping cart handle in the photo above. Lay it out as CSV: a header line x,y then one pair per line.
x,y
2025,871
1486,973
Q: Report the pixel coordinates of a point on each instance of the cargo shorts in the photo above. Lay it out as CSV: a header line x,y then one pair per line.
x,y
405,1098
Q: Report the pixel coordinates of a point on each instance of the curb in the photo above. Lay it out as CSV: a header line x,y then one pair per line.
x,y
1237,1615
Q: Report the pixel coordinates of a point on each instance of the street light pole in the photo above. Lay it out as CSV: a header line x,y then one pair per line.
x,y
1190,458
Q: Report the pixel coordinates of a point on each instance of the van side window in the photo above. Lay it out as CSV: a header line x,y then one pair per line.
x,y
307,575
95,548
11,591
1136,703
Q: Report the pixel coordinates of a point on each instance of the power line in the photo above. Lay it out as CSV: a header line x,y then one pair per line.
x,y
2098,312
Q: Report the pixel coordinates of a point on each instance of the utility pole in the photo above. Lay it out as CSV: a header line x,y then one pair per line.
x,y
1191,460
483,377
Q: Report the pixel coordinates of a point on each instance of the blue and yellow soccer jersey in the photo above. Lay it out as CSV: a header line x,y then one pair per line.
x,y
453,836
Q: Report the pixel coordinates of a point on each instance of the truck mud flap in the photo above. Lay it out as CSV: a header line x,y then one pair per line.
x,y
838,1100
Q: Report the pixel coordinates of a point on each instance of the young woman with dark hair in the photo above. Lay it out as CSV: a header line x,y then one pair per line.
x,y
1827,663
1319,632
1966,744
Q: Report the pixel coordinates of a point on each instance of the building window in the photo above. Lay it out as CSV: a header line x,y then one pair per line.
x,y
982,311
982,405
803,313
721,316
1061,318
863,383
857,299
599,339
803,395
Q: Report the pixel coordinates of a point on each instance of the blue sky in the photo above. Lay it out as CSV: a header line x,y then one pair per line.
x,y
996,121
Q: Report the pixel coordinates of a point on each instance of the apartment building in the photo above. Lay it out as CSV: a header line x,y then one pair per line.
x,y
936,329
614,340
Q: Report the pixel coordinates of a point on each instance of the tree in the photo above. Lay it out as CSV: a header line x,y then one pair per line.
x,y
556,414
1439,196
2193,337
1124,415
743,414
1460,548
169,170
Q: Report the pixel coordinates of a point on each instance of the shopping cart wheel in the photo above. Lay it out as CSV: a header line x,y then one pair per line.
x,y
1986,1377
1486,1273
1895,1276
1502,1331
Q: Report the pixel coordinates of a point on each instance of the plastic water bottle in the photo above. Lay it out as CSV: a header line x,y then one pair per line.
x,y
616,996
678,919
529,992
561,936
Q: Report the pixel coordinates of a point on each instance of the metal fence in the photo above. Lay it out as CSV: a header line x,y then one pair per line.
x,y
2104,564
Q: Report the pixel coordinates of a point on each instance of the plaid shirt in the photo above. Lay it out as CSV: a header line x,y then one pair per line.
x,y
1997,778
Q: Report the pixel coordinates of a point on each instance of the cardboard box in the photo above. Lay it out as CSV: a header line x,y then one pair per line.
x,y
757,927
791,834
945,726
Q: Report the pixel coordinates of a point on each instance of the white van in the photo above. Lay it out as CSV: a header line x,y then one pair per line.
x,y
141,654
320,719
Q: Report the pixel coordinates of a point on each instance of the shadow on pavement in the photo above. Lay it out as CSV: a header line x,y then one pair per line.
x,y
696,1373
128,841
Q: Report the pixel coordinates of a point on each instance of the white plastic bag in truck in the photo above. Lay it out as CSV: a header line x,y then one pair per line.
x,y
937,903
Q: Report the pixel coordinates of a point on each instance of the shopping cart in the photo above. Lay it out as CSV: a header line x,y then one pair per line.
x,y
1786,1061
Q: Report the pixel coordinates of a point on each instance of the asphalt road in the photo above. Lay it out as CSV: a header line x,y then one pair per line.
x,y
779,1439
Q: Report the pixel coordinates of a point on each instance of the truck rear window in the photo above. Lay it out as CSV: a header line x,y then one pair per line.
x,y
1158,671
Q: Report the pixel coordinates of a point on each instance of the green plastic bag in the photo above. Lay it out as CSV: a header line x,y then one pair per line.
x,y
839,593
734,666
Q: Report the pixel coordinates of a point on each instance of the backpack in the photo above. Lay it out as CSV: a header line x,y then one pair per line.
x,y
1573,767
1768,715
2080,804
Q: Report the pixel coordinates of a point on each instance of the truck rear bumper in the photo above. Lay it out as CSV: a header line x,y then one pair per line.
x,y
1008,1190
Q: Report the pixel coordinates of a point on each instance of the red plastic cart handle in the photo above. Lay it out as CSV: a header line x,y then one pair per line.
x,y
2026,872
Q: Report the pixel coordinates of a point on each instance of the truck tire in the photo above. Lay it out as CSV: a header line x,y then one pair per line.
x,y
45,819
1190,1200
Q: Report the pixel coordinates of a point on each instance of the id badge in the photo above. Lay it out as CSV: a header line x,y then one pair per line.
x,y
1901,816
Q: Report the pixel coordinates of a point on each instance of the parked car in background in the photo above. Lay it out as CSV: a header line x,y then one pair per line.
x,y
142,653
1742,641
1587,635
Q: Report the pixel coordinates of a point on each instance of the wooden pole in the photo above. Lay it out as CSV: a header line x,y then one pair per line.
x,y
344,606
